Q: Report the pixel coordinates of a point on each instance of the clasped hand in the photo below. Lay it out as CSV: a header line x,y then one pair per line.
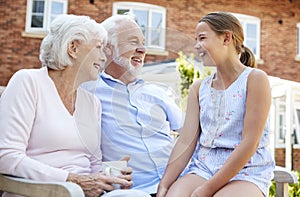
x,y
96,184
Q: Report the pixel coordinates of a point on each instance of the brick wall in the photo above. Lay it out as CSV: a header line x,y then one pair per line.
x,y
280,157
296,159
16,52
278,39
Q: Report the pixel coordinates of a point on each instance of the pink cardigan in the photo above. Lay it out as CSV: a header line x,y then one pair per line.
x,y
39,138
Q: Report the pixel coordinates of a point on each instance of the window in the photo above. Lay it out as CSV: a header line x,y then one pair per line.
x,y
251,26
40,13
280,123
281,128
298,31
151,18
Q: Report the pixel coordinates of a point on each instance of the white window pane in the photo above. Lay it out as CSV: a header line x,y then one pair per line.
x,y
56,9
151,19
37,21
156,28
251,44
251,37
156,20
251,26
38,6
281,128
251,31
37,18
40,14
142,20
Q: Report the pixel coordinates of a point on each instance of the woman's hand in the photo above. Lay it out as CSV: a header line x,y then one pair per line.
x,y
95,184
127,175
89,185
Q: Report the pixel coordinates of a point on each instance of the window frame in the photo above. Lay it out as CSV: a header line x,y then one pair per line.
x,y
47,16
280,125
247,19
151,9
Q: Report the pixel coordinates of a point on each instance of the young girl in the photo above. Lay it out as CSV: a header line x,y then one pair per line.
x,y
231,157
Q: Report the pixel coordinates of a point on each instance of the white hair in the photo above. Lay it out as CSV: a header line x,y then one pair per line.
x,y
65,29
114,24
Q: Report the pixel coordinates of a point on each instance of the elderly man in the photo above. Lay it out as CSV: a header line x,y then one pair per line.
x,y
137,116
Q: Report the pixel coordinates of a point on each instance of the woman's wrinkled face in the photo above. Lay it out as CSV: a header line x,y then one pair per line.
x,y
92,59
129,50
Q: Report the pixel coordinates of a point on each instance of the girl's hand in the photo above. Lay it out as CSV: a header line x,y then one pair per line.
x,y
201,191
161,191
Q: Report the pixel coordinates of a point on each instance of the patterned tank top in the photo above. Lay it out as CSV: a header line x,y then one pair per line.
x,y
222,113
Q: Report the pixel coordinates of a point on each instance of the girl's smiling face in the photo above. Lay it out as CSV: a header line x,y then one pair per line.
x,y
208,44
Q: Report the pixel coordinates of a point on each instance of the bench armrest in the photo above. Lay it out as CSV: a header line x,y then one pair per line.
x,y
282,178
32,188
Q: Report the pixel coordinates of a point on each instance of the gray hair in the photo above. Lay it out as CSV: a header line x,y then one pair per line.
x,y
65,29
113,25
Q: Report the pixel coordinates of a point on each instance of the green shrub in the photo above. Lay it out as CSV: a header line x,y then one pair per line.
x,y
188,74
294,189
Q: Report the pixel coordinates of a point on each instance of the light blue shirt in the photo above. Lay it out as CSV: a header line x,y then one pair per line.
x,y
136,120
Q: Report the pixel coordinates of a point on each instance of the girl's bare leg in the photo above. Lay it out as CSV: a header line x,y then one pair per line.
x,y
238,189
184,186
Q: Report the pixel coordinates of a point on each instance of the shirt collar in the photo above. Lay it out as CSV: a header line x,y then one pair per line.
x,y
107,76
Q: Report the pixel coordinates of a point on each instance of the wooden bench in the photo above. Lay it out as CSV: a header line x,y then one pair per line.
x,y
282,178
66,189
32,188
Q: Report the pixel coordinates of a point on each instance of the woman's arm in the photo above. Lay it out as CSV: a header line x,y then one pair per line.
x,y
96,158
258,103
185,145
95,184
17,117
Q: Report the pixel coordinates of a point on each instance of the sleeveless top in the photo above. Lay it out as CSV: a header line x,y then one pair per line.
x,y
222,113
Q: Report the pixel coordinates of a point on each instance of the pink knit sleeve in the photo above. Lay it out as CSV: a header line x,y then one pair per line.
x,y
17,116
96,159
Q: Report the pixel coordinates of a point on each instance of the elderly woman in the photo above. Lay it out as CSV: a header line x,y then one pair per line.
x,y
49,126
